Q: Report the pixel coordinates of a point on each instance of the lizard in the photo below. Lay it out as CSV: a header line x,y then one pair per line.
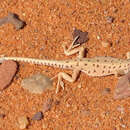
x,y
96,66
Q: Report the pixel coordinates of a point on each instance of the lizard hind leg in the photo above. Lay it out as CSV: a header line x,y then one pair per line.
x,y
67,77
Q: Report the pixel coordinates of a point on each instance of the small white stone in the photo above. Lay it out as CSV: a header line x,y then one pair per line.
x,y
23,122
105,44
23,14
98,37
121,109
79,85
123,126
44,126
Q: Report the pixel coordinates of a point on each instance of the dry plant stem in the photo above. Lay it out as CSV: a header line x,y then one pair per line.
x,y
13,19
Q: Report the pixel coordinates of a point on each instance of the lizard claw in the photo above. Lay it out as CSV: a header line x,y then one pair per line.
x,y
60,83
64,46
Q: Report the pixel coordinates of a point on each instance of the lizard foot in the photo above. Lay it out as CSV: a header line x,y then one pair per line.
x,y
60,82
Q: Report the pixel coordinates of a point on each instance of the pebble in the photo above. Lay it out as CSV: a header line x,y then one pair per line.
x,y
106,91
57,102
110,19
122,89
98,37
38,116
83,36
37,83
106,44
79,85
23,122
123,125
121,109
47,105
44,125
85,112
2,115
8,69
104,1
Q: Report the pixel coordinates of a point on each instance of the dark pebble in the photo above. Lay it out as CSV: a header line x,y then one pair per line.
x,y
110,19
38,116
2,115
83,36
57,102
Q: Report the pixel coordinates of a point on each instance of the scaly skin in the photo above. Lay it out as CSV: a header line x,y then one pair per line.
x,y
97,66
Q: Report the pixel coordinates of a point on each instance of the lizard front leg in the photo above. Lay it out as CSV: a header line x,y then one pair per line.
x,y
72,49
81,51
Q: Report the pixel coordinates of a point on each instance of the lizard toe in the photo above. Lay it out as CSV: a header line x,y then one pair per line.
x,y
62,84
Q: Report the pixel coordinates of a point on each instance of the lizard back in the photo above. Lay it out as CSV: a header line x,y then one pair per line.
x,y
102,66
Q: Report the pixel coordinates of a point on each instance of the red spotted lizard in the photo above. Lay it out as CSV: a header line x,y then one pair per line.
x,y
97,66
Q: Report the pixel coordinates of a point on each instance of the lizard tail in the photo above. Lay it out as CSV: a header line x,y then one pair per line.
x,y
55,63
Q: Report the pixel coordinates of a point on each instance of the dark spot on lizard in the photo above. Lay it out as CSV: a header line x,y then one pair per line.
x,y
62,66
109,67
114,67
79,60
67,66
94,71
89,72
111,61
97,65
120,66
109,71
124,65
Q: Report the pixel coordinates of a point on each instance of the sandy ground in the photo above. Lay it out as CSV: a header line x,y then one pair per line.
x,y
50,23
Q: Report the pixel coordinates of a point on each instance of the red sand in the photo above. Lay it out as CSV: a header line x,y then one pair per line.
x,y
49,24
